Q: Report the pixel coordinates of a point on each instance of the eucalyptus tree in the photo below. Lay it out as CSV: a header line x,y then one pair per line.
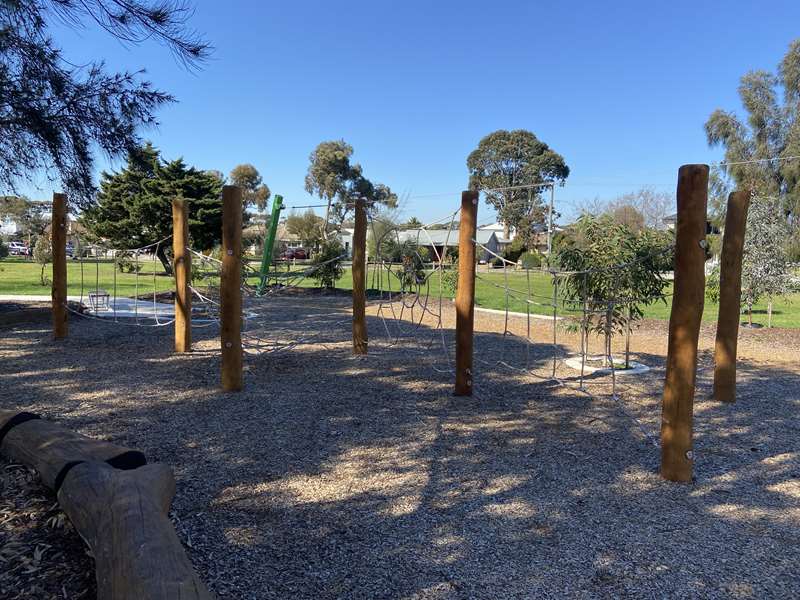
x,y
505,160
765,264
761,149
616,272
333,178
256,192
55,114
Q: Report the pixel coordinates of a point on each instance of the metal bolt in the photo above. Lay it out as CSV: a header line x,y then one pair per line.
x,y
469,382
228,345
689,455
230,252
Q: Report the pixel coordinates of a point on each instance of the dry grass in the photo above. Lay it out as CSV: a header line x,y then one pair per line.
x,y
334,477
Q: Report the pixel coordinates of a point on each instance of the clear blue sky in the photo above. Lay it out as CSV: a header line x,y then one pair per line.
x,y
620,89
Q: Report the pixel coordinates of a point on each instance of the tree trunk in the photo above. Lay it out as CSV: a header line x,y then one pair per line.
x,y
750,315
506,231
161,253
628,340
769,314
325,224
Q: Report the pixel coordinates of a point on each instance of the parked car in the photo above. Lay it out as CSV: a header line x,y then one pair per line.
x,y
294,253
18,249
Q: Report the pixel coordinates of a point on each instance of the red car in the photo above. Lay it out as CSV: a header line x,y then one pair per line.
x,y
294,253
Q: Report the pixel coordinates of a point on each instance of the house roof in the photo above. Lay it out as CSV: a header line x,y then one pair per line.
x,y
442,237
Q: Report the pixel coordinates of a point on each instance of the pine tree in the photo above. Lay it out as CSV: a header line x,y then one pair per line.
x,y
133,206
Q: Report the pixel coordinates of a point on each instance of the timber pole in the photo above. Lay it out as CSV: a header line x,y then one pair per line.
x,y
360,279
182,267
677,458
231,289
465,293
730,295
58,242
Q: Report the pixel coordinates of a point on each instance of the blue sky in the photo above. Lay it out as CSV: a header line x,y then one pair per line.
x,y
620,89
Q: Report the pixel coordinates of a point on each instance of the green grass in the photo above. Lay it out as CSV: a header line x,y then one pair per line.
x,y
21,276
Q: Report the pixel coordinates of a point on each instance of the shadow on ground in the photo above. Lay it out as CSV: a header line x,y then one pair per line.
x,y
335,477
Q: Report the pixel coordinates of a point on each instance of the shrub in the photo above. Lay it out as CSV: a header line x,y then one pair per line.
x,y
450,276
595,248
411,256
531,260
498,263
515,249
43,254
126,263
327,264
3,250
712,285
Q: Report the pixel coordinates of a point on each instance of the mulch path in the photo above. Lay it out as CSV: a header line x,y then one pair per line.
x,y
335,477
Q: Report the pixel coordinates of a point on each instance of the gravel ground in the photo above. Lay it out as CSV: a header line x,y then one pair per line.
x,y
335,477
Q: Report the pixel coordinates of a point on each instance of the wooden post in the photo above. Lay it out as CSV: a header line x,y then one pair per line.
x,y
465,294
231,289
677,457
58,242
360,279
730,295
182,266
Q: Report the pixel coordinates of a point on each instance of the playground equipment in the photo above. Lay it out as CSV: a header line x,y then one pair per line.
x,y
407,306
269,243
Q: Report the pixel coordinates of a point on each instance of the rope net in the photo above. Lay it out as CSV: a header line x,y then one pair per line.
x,y
549,327
129,287
281,310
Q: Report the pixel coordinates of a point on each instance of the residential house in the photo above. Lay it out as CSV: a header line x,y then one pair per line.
x,y
436,240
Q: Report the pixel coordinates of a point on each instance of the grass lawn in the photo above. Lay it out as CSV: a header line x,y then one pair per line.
x,y
21,276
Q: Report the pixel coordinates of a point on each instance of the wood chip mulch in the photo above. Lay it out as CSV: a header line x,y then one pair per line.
x,y
333,477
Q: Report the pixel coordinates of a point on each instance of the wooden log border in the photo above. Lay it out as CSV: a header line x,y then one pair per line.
x,y
117,502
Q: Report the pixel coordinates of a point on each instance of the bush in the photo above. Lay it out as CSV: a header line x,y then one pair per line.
x,y
515,249
596,248
712,285
126,263
450,276
327,264
3,250
498,263
531,260
43,254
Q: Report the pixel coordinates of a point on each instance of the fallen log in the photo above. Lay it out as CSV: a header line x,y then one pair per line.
x,y
122,516
53,450
117,503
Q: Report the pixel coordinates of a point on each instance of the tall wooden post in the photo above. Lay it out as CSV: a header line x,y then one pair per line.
x,y
182,266
677,456
58,242
360,279
231,289
465,293
730,295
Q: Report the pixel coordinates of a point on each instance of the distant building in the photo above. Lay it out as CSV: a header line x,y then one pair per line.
x,y
672,220
499,230
436,240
